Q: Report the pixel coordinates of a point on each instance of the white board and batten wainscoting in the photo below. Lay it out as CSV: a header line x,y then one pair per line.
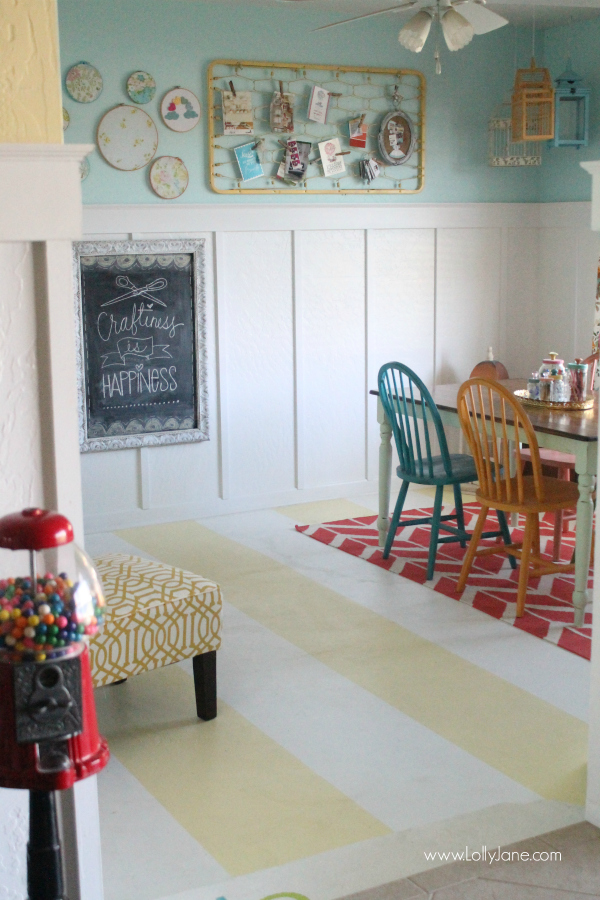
x,y
304,303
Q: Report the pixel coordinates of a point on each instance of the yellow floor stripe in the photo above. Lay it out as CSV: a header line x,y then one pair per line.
x,y
528,739
324,511
248,801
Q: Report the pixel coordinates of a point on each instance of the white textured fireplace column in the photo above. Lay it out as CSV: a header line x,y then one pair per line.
x,y
593,782
40,214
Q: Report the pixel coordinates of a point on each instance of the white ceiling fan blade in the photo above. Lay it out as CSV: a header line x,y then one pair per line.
x,y
482,19
403,7
458,32
415,33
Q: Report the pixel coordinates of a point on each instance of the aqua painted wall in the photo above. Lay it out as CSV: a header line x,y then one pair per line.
x,y
564,179
175,41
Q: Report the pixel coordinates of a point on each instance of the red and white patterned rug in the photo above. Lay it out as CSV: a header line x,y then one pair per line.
x,y
492,584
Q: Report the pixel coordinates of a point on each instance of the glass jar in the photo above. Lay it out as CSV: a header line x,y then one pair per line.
x,y
545,387
577,374
533,386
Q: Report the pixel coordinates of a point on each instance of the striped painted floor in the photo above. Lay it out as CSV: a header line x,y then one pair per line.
x,y
363,721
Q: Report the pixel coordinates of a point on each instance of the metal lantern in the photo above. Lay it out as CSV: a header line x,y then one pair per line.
x,y
572,106
502,150
533,105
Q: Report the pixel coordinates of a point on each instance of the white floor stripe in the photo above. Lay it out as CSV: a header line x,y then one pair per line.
x,y
145,852
400,771
381,860
546,671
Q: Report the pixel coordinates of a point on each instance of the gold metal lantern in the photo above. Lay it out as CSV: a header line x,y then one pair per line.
x,y
533,105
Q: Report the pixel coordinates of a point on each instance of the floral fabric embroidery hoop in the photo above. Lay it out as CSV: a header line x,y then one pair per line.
x,y
66,119
127,138
84,83
180,109
169,177
141,87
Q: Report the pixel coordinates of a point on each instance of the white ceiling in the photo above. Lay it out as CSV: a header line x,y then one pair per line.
x,y
549,13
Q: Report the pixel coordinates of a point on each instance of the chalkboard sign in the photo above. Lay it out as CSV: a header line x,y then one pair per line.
x,y
141,343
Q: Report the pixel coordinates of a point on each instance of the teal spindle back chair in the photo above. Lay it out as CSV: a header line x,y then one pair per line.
x,y
417,429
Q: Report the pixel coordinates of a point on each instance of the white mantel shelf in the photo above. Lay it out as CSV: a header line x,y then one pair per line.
x,y
593,168
40,199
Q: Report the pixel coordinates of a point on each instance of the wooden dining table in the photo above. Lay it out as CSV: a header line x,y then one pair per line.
x,y
574,432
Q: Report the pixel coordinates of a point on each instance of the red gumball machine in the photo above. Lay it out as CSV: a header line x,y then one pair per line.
x,y
48,731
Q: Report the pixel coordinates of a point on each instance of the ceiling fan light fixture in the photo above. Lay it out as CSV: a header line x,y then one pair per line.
x,y
416,31
458,31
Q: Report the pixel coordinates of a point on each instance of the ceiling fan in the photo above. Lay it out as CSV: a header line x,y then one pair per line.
x,y
458,28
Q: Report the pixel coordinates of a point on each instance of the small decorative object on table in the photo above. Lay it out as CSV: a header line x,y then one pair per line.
x,y
558,387
490,368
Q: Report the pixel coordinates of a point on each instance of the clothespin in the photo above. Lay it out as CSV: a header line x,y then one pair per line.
x,y
344,153
331,94
258,144
232,89
281,89
362,119
283,144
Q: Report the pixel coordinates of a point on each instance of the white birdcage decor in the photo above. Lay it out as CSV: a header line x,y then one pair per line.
x,y
502,150
533,105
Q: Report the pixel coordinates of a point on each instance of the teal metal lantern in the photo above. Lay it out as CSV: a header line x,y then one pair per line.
x,y
572,110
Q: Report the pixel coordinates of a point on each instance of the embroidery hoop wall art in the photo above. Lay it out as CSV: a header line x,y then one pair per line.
x,y
141,87
127,138
140,343
169,177
180,109
84,82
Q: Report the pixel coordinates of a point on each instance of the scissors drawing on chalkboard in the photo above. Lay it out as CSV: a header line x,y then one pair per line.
x,y
123,281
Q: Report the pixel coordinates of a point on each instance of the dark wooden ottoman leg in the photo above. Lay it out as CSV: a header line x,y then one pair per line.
x,y
205,683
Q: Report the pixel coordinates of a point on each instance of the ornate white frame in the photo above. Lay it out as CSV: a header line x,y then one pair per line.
x,y
194,246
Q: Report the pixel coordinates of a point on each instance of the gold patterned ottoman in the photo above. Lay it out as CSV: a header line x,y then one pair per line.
x,y
157,615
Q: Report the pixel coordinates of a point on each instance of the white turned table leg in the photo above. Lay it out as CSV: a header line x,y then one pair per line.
x,y
583,545
385,473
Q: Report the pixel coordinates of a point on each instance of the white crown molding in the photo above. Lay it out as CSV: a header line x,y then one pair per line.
x,y
40,191
593,167
145,220
46,152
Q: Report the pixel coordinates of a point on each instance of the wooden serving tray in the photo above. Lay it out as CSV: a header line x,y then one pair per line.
x,y
523,396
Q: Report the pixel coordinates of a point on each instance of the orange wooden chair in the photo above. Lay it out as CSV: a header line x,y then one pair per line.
x,y
527,495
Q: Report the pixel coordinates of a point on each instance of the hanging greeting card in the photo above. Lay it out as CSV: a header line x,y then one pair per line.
x,y
296,160
396,138
248,161
333,164
318,105
282,113
141,87
358,132
84,83
238,115
180,109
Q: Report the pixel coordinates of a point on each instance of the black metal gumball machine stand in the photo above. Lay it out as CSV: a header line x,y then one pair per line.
x,y
48,731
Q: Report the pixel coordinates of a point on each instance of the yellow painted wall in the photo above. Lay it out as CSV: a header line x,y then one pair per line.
x,y
30,90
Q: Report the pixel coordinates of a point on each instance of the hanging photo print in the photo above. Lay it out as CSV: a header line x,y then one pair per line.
x,y
248,161
281,112
318,105
333,162
358,132
396,138
296,160
238,115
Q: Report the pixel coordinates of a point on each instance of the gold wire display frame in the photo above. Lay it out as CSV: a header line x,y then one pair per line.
x,y
408,178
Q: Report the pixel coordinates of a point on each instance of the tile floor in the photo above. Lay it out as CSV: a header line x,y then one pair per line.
x,y
363,722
